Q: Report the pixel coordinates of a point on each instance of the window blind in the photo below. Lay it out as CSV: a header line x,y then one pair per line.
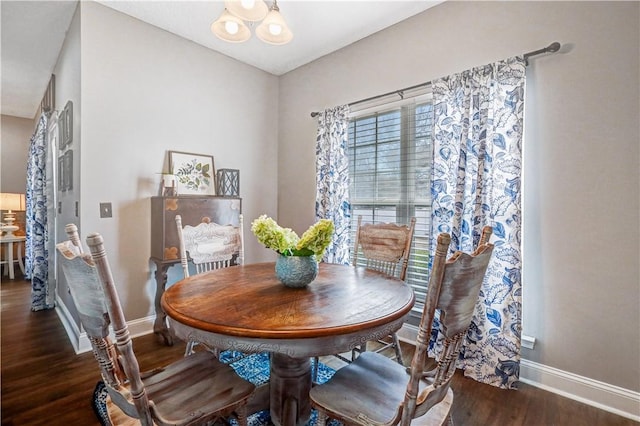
x,y
390,159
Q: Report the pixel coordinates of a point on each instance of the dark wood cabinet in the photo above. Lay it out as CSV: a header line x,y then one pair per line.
x,y
194,210
165,252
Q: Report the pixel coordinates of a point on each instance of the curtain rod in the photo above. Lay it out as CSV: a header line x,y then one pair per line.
x,y
552,48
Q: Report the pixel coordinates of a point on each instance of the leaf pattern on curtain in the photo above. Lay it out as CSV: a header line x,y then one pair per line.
x,y
36,251
478,131
332,180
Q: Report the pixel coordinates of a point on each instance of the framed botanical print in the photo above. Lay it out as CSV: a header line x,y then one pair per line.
x,y
194,173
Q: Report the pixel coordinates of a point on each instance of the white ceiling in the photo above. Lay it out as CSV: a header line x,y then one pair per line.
x,y
33,33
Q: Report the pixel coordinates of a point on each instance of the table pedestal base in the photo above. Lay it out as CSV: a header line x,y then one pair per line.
x,y
290,384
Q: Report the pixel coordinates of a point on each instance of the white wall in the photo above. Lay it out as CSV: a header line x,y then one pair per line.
x,y
14,151
581,188
142,99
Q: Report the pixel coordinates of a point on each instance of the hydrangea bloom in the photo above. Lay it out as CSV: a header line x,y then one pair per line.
x,y
285,241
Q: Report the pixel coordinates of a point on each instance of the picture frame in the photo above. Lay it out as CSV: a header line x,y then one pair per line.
x,y
61,173
195,173
65,125
68,170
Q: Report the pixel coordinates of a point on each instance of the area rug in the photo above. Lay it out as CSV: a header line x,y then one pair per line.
x,y
254,368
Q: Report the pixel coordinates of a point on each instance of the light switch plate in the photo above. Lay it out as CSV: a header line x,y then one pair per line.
x,y
105,210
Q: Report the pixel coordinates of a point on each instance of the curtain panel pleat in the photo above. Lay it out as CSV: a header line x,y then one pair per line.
x,y
37,233
332,180
476,181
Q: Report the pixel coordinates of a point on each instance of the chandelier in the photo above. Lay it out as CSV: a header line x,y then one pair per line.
x,y
231,26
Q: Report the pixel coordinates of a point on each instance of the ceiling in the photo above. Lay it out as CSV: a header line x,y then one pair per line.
x,y
33,33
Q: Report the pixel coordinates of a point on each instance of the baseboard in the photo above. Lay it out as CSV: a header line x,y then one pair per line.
x,y
69,324
79,339
617,400
611,398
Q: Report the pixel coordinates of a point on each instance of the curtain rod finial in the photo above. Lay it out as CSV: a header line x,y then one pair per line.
x,y
553,47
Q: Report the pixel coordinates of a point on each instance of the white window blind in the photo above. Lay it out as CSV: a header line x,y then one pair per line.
x,y
390,158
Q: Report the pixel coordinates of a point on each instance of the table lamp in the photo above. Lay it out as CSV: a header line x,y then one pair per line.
x,y
10,202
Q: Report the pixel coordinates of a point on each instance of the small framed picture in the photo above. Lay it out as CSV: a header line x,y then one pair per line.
x,y
65,125
61,173
68,170
195,173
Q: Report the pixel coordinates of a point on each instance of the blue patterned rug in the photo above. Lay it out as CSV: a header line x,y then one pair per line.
x,y
254,368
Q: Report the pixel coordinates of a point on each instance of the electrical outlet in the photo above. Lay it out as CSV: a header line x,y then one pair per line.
x,y
528,341
105,210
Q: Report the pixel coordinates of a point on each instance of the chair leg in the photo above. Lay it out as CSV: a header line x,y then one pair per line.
x,y
241,413
189,350
322,418
314,377
357,351
396,347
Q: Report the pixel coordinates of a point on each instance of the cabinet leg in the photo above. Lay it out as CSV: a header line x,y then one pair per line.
x,y
160,329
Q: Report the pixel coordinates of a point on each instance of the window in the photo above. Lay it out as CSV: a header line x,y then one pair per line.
x,y
390,157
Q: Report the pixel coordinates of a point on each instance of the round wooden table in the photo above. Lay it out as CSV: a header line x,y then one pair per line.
x,y
246,308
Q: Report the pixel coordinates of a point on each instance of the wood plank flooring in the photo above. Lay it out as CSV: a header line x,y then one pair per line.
x,y
43,382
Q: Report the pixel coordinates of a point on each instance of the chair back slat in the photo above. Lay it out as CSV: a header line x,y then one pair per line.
x,y
384,247
183,251
453,289
86,291
95,296
210,245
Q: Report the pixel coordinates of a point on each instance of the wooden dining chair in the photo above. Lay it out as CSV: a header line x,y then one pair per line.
x,y
209,246
374,389
384,247
193,390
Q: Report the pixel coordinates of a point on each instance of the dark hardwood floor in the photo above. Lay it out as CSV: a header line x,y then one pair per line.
x,y
45,383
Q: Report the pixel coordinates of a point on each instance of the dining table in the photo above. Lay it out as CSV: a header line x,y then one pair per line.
x,y
246,308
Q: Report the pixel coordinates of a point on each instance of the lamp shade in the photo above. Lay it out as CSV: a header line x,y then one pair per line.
x,y
248,10
12,201
230,28
274,29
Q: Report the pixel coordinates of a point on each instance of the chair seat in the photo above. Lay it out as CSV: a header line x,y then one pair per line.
x,y
195,384
381,384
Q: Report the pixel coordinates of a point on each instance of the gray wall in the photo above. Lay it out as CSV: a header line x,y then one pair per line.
x,y
143,99
581,193
14,148
68,75
16,137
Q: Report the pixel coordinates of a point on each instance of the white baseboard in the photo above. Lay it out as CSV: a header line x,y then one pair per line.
x,y
611,398
79,339
614,399
69,324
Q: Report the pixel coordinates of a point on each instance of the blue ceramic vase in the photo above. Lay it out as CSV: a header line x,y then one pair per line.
x,y
296,271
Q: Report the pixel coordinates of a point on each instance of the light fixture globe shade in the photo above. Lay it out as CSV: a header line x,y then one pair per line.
x,y
274,30
230,28
248,10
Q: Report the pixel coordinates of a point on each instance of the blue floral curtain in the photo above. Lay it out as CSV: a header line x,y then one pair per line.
x,y
332,180
478,130
36,246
